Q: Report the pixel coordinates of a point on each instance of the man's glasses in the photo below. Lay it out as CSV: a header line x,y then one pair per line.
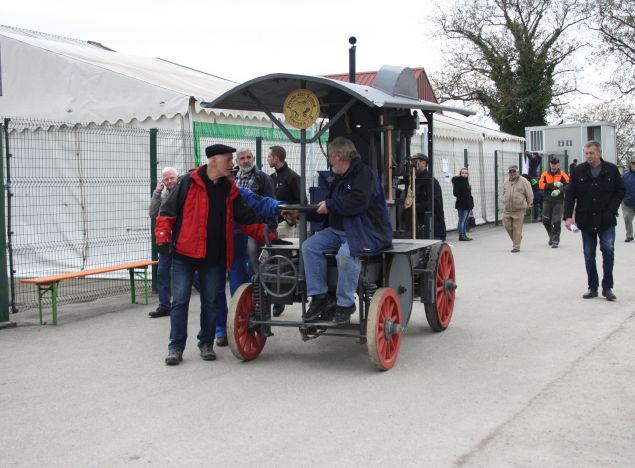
x,y
512,171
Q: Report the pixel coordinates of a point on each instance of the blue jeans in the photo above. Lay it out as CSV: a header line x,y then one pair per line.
x,y
239,273
212,288
348,268
164,279
589,244
462,227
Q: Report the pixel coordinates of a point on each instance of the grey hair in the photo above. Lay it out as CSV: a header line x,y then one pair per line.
x,y
242,151
344,148
169,169
595,143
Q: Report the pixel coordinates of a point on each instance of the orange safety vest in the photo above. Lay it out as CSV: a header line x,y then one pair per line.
x,y
547,178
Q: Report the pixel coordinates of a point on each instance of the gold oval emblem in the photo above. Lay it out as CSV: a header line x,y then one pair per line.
x,y
301,108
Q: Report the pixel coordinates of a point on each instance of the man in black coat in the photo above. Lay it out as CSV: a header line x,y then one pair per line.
x,y
596,190
424,200
286,186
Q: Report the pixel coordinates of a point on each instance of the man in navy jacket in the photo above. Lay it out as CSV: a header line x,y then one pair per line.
x,y
358,225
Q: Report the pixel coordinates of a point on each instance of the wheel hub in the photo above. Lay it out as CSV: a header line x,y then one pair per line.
x,y
449,286
391,328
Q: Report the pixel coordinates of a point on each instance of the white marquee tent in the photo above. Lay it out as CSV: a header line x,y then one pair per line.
x,y
48,78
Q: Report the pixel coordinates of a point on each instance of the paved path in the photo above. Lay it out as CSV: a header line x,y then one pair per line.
x,y
527,374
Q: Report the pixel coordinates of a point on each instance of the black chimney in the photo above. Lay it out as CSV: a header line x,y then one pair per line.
x,y
351,59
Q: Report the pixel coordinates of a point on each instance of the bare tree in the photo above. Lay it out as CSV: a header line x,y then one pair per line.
x,y
615,21
509,57
622,113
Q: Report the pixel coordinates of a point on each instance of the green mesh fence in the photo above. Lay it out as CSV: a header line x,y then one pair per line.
x,y
79,194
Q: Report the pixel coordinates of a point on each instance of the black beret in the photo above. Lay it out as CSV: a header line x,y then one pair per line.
x,y
218,149
554,161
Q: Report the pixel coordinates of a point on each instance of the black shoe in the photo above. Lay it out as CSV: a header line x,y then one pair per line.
x,y
221,341
343,314
608,293
160,312
278,309
628,239
174,357
207,352
554,245
465,238
319,304
550,242
590,294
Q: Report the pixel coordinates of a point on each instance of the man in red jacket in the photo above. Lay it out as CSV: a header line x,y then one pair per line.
x,y
196,223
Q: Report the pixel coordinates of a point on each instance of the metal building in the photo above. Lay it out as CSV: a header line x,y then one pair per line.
x,y
556,139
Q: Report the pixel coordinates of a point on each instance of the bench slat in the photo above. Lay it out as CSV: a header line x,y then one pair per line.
x,y
83,273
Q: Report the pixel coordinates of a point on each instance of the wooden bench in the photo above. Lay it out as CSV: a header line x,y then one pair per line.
x,y
49,283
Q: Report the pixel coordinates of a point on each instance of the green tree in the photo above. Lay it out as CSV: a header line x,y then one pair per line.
x,y
509,57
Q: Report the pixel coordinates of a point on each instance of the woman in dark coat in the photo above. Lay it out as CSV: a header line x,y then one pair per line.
x,y
464,201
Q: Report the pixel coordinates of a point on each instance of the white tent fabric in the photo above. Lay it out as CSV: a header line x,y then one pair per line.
x,y
74,81
449,127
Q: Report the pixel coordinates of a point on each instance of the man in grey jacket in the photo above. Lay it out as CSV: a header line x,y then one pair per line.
x,y
169,177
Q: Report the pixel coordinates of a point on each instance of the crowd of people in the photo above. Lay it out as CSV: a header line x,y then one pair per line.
x,y
210,222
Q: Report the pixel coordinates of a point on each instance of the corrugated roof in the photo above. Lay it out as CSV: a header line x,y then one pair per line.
x,y
424,88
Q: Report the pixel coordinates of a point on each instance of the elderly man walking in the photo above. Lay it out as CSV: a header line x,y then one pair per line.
x,y
196,223
517,197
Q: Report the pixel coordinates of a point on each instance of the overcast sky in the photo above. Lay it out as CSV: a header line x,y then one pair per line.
x,y
242,39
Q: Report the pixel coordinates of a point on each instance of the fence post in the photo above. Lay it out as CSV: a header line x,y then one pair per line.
x,y
259,152
565,168
153,184
520,163
496,220
465,164
4,281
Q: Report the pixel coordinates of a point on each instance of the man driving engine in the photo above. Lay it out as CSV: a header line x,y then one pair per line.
x,y
357,225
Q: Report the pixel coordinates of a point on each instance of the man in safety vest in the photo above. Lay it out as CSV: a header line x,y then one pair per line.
x,y
553,183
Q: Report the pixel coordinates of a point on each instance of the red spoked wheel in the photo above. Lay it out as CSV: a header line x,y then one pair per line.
x,y
245,343
383,329
439,313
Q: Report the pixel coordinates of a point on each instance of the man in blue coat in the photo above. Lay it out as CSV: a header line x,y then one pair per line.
x,y
628,205
357,225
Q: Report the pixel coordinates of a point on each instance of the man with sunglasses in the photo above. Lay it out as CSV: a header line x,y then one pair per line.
x,y
517,197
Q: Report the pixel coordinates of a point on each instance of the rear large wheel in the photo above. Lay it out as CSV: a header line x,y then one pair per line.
x,y
439,313
383,328
245,343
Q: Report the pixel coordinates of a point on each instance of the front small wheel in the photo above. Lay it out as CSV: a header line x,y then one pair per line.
x,y
383,329
245,343
439,313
